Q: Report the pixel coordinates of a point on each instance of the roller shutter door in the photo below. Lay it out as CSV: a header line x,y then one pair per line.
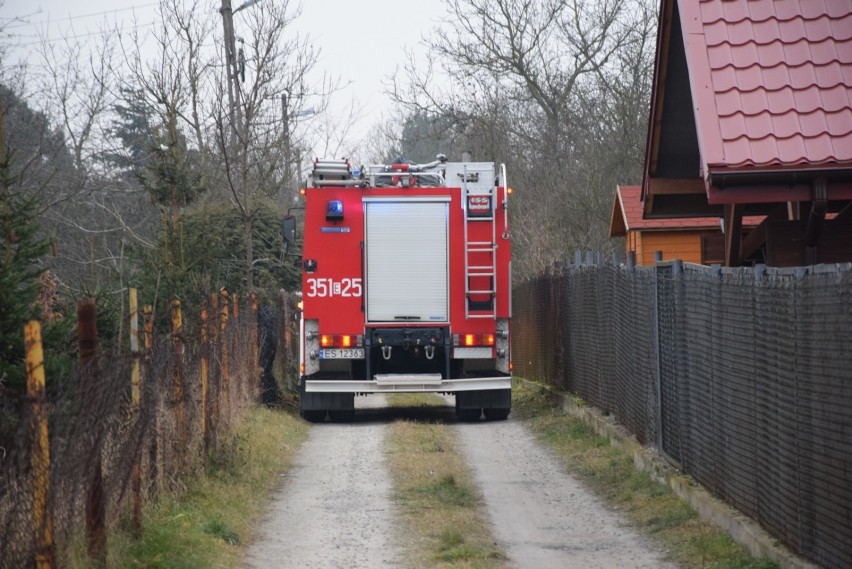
x,y
406,248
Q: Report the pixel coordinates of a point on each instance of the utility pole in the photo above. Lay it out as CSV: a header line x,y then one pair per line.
x,y
232,71
239,133
288,174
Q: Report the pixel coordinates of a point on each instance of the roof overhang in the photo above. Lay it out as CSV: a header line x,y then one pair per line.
x,y
779,184
618,219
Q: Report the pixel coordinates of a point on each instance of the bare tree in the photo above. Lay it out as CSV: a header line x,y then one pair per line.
x,y
557,89
255,149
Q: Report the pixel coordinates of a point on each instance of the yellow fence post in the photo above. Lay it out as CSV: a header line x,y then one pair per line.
x,y
42,516
223,327
135,398
205,373
177,343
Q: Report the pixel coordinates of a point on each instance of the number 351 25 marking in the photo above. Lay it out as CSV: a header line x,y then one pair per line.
x,y
326,287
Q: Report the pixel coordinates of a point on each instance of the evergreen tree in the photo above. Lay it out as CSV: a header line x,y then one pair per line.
x,y
21,247
132,129
19,274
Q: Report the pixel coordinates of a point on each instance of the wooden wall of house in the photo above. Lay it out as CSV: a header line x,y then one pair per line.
x,y
785,243
683,245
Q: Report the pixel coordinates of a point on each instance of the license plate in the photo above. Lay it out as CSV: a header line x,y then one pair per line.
x,y
342,354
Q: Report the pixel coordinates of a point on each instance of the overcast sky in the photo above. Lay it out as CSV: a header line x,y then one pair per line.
x,y
362,42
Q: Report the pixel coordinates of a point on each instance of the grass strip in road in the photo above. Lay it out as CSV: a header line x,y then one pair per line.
x,y
207,525
652,507
442,508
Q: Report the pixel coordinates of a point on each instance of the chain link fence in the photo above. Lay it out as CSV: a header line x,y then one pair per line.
x,y
110,450
742,377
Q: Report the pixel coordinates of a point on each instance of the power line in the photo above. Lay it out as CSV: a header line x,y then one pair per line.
x,y
70,18
78,36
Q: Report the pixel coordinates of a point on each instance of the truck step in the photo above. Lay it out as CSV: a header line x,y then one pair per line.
x,y
408,378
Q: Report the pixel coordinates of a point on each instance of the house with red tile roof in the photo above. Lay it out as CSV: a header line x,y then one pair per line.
x,y
690,239
751,114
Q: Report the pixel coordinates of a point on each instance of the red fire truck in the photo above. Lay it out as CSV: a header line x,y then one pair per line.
x,y
406,286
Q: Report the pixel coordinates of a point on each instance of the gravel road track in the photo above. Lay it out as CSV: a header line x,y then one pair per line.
x,y
541,516
334,510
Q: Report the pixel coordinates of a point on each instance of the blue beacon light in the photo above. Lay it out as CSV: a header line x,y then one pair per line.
x,y
334,210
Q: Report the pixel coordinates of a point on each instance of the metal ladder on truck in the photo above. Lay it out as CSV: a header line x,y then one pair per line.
x,y
479,249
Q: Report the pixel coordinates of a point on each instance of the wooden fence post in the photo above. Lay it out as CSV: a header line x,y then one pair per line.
x,y
95,505
148,316
214,342
178,389
236,353
205,374
223,326
135,398
148,337
40,441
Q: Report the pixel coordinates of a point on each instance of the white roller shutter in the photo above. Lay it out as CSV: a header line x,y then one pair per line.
x,y
407,261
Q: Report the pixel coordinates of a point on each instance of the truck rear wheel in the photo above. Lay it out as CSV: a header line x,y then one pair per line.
x,y
468,415
499,414
341,415
313,416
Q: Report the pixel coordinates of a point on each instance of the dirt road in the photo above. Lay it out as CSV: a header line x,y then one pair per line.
x,y
541,516
335,507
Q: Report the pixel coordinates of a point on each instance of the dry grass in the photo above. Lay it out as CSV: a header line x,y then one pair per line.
x,y
207,524
442,509
652,507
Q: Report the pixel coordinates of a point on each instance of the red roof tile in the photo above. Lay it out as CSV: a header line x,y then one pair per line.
x,y
780,81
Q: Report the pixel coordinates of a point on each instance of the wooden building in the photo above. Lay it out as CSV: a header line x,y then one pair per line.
x,y
690,239
751,114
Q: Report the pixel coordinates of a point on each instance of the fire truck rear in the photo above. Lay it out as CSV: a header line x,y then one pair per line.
x,y
406,286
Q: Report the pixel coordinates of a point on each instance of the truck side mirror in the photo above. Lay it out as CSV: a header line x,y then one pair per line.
x,y
288,228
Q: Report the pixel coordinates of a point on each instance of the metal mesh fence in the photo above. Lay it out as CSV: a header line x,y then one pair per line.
x,y
107,453
743,377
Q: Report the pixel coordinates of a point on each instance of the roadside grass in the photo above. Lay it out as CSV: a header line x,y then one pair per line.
x,y
652,507
206,525
441,507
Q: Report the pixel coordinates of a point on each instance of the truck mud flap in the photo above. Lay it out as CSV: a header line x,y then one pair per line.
x,y
319,401
488,399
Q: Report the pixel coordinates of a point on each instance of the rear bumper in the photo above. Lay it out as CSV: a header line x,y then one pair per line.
x,y
407,383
